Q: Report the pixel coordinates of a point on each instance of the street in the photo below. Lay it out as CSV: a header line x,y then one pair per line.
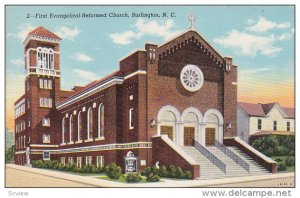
x,y
19,178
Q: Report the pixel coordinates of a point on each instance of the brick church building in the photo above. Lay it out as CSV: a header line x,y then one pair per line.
x,y
162,98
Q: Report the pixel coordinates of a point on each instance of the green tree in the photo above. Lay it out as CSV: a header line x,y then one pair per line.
x,y
9,155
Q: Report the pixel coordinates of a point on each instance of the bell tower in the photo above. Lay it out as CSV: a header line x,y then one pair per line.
x,y
42,85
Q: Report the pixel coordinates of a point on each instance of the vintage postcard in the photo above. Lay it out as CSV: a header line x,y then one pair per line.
x,y
150,96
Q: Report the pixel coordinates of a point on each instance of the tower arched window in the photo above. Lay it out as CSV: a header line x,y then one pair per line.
x,y
45,58
63,131
79,131
101,121
90,124
71,128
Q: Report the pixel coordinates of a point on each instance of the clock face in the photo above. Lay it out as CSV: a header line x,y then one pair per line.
x,y
191,78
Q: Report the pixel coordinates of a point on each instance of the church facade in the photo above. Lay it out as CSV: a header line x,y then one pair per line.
x,y
182,89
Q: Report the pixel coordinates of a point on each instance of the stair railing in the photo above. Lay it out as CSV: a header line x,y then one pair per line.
x,y
232,155
211,157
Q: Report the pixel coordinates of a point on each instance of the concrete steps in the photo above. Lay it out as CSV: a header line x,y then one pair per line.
x,y
255,168
210,171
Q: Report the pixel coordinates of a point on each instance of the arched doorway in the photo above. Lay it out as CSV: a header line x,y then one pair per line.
x,y
168,117
189,129
213,120
192,119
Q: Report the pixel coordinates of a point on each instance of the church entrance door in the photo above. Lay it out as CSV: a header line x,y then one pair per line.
x,y
167,130
189,135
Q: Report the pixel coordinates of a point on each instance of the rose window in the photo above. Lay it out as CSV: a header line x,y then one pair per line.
x,y
191,78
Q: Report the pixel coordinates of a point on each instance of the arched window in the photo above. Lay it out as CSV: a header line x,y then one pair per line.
x,y
71,128
63,131
101,121
79,132
90,124
45,58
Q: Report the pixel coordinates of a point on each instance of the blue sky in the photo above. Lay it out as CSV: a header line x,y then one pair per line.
x,y
259,38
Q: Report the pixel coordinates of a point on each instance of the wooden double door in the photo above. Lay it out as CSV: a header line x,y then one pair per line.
x,y
167,130
189,135
210,136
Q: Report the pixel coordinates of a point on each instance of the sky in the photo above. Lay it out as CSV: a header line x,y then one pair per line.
x,y
259,38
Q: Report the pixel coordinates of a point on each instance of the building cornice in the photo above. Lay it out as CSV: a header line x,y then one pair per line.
x,y
98,87
39,38
115,146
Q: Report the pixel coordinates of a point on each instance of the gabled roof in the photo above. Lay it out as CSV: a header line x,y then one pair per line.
x,y
190,36
252,109
267,107
290,112
262,110
43,32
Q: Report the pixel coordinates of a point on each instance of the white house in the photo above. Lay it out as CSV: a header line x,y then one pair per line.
x,y
254,120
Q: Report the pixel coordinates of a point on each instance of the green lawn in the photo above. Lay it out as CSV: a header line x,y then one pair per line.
x,y
121,179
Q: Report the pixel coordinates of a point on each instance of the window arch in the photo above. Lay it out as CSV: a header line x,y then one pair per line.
x,y
45,58
79,131
90,124
101,121
71,128
63,130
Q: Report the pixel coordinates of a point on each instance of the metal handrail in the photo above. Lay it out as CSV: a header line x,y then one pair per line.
x,y
232,155
210,156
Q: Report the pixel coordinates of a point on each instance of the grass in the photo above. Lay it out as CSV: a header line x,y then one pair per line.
x,y
122,179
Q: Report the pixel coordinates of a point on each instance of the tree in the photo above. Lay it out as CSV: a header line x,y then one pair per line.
x,y
9,154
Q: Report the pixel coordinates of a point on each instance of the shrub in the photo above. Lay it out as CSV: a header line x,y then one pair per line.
x,y
61,166
113,171
172,171
188,175
163,171
290,161
179,173
275,145
278,159
147,171
133,178
70,167
152,178
282,166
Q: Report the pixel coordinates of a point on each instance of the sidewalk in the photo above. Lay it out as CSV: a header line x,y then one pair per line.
x,y
164,182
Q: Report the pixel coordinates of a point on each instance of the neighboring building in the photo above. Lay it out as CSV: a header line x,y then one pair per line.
x,y
256,120
182,88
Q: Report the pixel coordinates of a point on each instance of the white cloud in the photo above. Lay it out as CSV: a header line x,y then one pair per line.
x,y
67,33
18,62
287,35
264,25
24,30
124,38
153,28
79,56
143,28
248,44
85,75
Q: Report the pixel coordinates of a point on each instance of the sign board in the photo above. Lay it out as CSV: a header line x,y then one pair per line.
x,y
131,163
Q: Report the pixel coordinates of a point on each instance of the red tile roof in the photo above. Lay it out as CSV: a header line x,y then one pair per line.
x,y
252,109
93,83
43,32
263,109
